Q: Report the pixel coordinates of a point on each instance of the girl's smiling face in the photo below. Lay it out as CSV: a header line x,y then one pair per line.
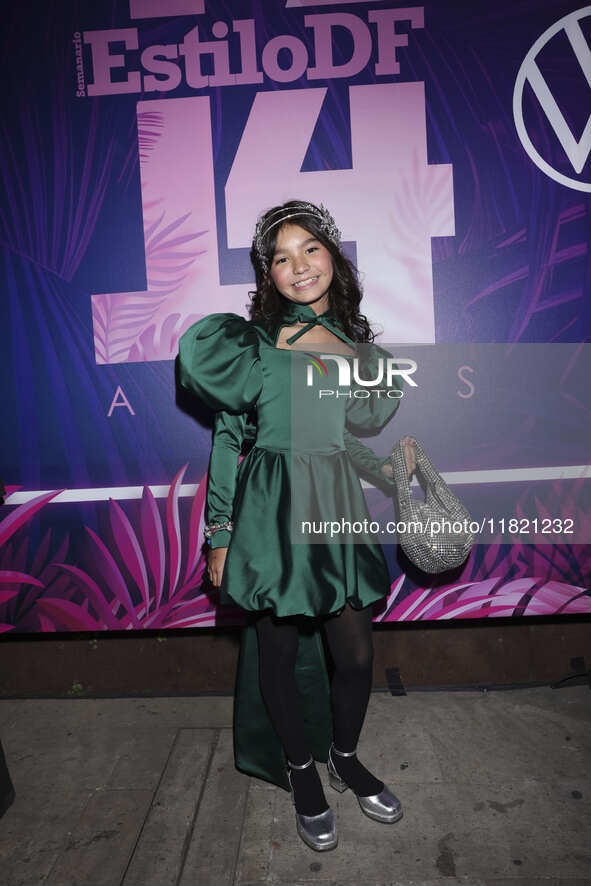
x,y
301,268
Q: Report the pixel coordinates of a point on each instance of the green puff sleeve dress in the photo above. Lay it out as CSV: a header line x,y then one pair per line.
x,y
303,466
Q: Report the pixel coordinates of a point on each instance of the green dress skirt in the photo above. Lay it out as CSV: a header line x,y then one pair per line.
x,y
299,544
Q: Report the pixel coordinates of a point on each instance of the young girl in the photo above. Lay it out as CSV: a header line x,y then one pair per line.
x,y
307,303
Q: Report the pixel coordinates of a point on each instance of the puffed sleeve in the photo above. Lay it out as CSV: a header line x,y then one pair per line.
x,y
228,434
219,362
364,459
371,413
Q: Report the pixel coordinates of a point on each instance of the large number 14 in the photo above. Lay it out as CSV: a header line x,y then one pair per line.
x,y
391,202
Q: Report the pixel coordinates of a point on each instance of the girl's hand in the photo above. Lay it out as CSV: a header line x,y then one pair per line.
x,y
216,557
410,457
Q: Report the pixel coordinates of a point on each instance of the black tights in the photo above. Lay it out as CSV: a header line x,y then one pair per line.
x,y
349,640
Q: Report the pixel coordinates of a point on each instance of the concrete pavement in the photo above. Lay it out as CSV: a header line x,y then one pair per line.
x,y
496,789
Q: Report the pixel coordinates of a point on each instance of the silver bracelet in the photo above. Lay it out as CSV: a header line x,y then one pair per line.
x,y
210,528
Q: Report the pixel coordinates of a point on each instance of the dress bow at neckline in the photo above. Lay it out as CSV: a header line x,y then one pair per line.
x,y
294,313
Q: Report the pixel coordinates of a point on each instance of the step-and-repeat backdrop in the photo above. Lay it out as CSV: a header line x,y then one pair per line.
x,y
141,139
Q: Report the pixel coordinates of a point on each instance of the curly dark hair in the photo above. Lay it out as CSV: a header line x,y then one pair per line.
x,y
344,295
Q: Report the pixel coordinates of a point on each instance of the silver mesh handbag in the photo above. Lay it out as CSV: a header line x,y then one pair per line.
x,y
436,535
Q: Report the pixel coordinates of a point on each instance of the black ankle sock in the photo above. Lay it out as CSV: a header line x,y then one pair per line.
x,y
307,791
356,776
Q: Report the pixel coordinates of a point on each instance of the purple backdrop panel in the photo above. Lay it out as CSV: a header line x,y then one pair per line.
x,y
141,140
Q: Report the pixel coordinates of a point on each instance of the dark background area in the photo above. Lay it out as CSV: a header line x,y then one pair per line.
x,y
474,654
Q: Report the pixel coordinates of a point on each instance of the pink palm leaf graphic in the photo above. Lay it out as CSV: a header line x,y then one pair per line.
x,y
136,582
16,601
500,595
121,322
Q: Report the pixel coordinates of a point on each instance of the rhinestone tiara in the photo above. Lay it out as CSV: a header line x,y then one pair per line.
x,y
264,225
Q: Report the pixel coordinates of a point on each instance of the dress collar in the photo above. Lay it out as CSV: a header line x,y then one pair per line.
x,y
292,312
295,313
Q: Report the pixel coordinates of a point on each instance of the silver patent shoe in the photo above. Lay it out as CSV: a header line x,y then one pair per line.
x,y
317,831
384,806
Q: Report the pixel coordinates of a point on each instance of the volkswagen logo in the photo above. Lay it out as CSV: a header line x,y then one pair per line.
x,y
577,152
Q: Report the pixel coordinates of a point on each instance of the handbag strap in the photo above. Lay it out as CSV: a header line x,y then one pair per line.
x,y
400,475
400,471
426,466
